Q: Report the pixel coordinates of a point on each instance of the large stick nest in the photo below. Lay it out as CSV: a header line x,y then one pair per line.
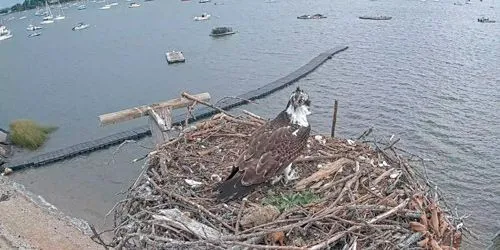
x,y
350,195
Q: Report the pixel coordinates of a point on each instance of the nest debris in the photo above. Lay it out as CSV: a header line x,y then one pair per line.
x,y
350,195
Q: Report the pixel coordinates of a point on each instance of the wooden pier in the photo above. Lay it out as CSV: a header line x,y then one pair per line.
x,y
134,134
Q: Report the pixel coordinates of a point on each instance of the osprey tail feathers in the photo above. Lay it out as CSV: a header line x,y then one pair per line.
x,y
232,189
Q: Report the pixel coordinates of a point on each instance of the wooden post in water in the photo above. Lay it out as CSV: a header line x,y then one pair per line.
x,y
334,120
160,115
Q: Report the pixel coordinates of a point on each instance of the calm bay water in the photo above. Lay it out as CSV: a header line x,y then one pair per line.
x,y
430,76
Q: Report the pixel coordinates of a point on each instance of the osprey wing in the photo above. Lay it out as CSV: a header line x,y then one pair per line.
x,y
270,152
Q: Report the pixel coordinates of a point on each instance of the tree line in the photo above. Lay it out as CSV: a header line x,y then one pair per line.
x,y
28,5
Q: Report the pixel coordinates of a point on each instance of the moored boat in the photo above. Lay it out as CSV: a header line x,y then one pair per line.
x,y
222,31
203,16
485,20
32,27
34,34
315,16
80,26
205,1
82,7
375,17
4,33
134,5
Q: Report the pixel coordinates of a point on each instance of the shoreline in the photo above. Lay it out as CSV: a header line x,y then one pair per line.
x,y
27,221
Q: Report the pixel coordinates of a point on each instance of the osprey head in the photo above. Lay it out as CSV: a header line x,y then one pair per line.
x,y
298,107
299,98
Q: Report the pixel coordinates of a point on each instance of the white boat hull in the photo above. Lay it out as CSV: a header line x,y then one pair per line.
x,y
4,37
201,18
105,7
47,21
59,18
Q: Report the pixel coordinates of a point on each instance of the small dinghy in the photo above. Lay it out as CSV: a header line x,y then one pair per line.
x,y
34,34
81,7
375,17
222,31
205,1
315,16
175,57
203,17
134,5
80,26
485,20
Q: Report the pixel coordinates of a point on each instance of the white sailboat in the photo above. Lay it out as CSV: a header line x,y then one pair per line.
x,y
61,15
50,18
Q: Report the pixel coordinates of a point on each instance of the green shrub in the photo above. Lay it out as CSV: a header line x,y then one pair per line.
x,y
28,134
287,201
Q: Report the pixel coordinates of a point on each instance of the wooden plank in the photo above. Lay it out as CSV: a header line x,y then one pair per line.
x,y
133,113
160,123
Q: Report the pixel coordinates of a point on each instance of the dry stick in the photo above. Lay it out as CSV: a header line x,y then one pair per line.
x,y
238,218
96,236
334,120
353,228
201,208
318,158
254,246
192,98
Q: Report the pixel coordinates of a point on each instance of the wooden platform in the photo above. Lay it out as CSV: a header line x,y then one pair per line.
x,y
115,139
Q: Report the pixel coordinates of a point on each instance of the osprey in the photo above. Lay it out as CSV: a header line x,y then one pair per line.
x,y
271,150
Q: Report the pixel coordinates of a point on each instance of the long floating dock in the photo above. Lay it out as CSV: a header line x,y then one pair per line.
x,y
134,134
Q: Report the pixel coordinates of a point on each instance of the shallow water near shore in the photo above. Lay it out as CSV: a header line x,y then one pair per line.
x,y
429,76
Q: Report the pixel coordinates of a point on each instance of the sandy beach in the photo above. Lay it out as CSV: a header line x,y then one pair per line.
x,y
29,222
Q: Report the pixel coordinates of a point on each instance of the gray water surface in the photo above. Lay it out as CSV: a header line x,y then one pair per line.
x,y
430,76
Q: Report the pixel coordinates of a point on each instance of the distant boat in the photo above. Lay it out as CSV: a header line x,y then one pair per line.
x,y
315,16
375,17
485,20
4,33
222,31
61,15
32,27
49,18
134,5
205,1
81,7
80,26
23,17
34,34
113,4
105,7
203,16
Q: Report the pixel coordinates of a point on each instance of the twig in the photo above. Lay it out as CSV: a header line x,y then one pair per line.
x,y
192,98
98,237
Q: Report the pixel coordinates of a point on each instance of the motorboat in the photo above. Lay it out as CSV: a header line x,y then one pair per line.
x,y
4,33
23,17
80,26
81,7
205,1
134,5
203,17
175,57
222,31
315,16
113,4
32,27
375,17
485,20
105,7
34,34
